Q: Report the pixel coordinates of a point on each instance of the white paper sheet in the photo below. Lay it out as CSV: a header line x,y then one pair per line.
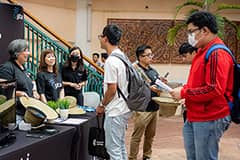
x,y
70,121
163,85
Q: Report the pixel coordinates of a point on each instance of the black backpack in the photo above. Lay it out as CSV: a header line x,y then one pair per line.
x,y
139,92
235,105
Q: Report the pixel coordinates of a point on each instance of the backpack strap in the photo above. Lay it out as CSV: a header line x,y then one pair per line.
x,y
141,72
120,92
221,46
124,60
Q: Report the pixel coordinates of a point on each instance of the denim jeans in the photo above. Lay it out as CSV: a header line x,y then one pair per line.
x,y
115,128
201,139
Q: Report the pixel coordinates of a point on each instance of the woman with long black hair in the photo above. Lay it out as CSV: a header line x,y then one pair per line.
x,y
74,75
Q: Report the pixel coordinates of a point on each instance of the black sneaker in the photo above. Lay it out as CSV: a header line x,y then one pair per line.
x,y
146,158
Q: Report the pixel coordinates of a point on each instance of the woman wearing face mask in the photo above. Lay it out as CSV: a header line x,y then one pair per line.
x,y
74,75
49,81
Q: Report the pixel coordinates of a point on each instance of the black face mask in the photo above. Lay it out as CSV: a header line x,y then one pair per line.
x,y
74,58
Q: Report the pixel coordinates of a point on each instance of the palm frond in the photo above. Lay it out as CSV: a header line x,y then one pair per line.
x,y
221,24
188,3
191,12
210,2
172,33
227,6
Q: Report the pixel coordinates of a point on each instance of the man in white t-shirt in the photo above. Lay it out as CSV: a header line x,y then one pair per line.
x,y
114,106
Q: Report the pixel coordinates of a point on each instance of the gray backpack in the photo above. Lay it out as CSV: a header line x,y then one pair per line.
x,y
139,92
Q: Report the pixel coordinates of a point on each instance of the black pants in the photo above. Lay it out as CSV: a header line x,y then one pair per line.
x,y
184,115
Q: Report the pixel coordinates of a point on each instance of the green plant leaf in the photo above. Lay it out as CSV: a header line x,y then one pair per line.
x,y
221,25
227,6
172,32
63,104
188,3
191,12
203,5
52,104
210,2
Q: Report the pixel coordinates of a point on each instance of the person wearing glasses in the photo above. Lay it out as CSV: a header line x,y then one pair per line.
x,y
114,106
209,85
14,69
145,123
74,75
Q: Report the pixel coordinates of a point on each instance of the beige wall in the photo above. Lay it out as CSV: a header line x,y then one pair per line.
x,y
62,19
135,9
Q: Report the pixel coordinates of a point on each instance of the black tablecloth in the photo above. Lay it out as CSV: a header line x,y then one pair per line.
x,y
80,139
51,147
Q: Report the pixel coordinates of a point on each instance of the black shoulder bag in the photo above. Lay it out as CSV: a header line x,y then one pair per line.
x,y
96,141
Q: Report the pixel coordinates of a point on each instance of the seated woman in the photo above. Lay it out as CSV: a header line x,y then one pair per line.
x,y
74,75
14,70
49,81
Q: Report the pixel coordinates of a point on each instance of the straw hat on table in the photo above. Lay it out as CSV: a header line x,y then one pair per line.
x,y
73,107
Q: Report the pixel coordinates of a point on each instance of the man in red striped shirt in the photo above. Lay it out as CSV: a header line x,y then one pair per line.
x,y
209,85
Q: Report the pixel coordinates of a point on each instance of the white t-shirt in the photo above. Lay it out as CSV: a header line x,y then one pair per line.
x,y
115,72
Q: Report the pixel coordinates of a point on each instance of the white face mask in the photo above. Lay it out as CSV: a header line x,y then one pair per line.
x,y
191,39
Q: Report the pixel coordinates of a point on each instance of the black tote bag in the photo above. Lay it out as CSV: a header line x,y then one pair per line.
x,y
96,141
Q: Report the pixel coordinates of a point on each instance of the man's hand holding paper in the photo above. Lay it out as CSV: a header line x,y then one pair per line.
x,y
163,86
176,93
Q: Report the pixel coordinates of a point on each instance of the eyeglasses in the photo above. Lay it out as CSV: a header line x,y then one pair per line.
x,y
150,55
190,32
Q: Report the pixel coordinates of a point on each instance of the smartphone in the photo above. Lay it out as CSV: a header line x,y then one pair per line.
x,y
165,76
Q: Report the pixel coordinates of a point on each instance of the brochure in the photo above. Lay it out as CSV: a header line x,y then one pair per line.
x,y
163,86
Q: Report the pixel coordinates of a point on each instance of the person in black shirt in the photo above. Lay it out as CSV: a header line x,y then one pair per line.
x,y
74,75
14,70
49,81
145,123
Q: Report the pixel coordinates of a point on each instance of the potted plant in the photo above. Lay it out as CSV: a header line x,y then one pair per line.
x,y
53,105
63,105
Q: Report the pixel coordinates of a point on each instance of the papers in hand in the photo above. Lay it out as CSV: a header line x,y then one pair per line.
x,y
163,86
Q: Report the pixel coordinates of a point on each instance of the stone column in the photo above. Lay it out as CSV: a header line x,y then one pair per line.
x,y
83,28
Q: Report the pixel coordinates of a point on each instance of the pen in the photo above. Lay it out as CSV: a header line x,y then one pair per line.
x,y
34,135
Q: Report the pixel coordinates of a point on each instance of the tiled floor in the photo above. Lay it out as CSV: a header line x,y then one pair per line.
x,y
168,143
